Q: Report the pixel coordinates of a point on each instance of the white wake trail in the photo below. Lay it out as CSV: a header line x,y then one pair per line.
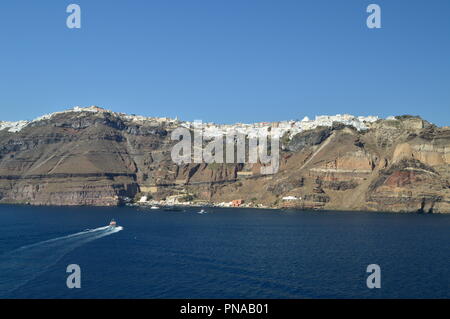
x,y
24,264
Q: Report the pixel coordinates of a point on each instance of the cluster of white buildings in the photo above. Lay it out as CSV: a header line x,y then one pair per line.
x,y
278,129
15,127
211,130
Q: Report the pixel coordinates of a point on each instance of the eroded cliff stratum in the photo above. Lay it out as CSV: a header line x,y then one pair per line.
x,y
103,158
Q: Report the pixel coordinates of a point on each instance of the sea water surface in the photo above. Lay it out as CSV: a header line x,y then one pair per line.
x,y
225,253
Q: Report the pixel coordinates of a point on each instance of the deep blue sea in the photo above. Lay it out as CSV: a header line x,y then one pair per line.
x,y
226,253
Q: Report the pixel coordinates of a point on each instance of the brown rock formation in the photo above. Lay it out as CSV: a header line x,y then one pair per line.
x,y
103,158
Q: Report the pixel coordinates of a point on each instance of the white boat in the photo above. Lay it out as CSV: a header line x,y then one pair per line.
x,y
113,224
154,207
202,212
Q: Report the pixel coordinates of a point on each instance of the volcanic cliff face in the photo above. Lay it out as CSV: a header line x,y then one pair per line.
x,y
103,158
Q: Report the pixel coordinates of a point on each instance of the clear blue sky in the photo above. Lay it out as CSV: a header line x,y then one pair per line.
x,y
226,60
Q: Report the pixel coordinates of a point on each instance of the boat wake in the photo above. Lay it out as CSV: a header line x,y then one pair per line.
x,y
26,263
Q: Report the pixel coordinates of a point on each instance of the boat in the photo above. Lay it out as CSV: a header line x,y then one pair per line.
x,y
202,212
154,207
113,224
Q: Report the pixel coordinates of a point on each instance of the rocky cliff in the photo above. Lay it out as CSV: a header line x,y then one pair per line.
x,y
106,158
